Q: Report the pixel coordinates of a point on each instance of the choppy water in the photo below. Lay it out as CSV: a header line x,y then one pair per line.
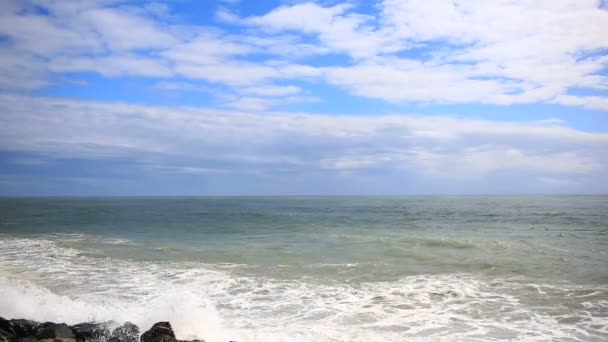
x,y
314,269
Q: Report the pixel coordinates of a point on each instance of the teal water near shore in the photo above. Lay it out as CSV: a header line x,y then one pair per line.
x,y
420,268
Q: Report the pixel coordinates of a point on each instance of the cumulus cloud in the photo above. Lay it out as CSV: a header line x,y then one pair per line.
x,y
402,51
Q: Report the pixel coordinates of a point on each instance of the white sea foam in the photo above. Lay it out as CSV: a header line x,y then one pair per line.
x,y
189,311
43,280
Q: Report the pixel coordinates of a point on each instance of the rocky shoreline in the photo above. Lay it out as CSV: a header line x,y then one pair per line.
x,y
24,330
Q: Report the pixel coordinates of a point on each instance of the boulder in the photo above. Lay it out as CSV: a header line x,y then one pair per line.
x,y
160,332
85,332
24,327
26,339
50,331
6,336
127,332
6,327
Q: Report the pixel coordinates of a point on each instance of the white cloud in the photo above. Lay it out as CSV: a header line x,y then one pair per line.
x,y
117,65
272,90
251,103
43,35
180,86
499,52
433,148
477,161
257,103
475,51
226,15
338,29
307,17
594,102
231,73
21,72
399,80
538,44
206,48
120,30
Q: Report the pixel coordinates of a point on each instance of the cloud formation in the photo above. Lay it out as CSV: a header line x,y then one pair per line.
x,y
246,82
402,51
388,149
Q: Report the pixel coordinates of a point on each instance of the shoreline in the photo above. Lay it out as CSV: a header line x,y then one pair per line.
x,y
25,330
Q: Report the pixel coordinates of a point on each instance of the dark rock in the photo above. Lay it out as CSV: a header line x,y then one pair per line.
x,y
6,336
160,332
127,332
42,325
7,333
24,327
26,339
90,332
6,327
54,332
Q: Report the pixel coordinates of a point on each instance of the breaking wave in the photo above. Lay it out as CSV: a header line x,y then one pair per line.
x,y
42,279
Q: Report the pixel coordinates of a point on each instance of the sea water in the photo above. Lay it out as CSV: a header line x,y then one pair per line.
x,y
498,268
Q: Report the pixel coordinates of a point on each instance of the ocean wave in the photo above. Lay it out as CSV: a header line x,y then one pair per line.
x,y
43,280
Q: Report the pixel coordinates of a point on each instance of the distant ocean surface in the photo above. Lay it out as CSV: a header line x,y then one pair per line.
x,y
498,268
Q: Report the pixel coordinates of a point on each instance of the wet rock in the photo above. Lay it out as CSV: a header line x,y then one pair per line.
x,y
26,339
23,330
54,332
85,332
6,336
160,332
6,330
24,327
127,332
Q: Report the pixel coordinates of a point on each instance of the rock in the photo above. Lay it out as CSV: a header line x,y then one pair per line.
x,y
24,327
6,336
54,332
16,329
6,326
26,339
160,332
90,332
127,332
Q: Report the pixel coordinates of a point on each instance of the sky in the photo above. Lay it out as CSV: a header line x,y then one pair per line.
x,y
388,97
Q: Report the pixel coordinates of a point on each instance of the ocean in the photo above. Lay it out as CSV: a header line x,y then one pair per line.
x,y
417,268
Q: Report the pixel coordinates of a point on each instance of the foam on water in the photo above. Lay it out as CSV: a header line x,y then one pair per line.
x,y
187,310
42,279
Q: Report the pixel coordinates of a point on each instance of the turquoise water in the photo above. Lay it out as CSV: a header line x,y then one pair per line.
x,y
512,268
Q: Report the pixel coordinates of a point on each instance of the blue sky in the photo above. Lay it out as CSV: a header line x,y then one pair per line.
x,y
303,98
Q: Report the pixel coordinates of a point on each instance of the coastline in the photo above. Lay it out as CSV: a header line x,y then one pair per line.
x,y
25,330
